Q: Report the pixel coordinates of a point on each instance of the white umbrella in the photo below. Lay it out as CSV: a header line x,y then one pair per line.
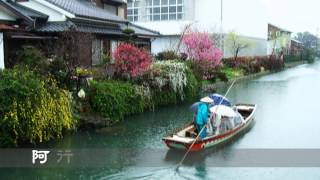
x,y
223,110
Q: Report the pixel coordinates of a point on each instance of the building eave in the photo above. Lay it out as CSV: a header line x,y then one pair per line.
x,y
281,29
56,8
9,7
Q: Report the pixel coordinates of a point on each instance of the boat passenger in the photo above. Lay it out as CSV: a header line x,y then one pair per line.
x,y
202,116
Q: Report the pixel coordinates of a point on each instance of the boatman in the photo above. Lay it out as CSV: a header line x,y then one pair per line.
x,y
202,116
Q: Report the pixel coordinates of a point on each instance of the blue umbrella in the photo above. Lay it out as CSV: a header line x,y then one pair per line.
x,y
194,107
220,100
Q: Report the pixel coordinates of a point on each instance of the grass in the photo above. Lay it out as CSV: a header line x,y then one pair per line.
x,y
232,73
229,72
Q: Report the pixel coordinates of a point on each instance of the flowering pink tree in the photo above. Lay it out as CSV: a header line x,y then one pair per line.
x,y
201,50
200,47
131,60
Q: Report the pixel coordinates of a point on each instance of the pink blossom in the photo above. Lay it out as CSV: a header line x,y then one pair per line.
x,y
131,60
199,47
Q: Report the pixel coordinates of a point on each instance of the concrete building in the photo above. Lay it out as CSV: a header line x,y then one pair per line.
x,y
279,39
170,17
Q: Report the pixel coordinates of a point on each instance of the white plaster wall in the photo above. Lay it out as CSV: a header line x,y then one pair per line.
x,y
166,27
247,17
1,52
205,15
260,48
164,44
6,16
54,13
121,12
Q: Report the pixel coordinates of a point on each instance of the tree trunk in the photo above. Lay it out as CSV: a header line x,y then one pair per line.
x,y
236,54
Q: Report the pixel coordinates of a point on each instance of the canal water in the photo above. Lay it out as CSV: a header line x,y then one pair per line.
x,y
287,118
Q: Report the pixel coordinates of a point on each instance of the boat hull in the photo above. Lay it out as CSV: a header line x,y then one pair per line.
x,y
214,141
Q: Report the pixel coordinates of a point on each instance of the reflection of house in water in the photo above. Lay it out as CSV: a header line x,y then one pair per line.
x,y
41,22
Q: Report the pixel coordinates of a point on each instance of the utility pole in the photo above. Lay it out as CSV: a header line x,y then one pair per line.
x,y
221,28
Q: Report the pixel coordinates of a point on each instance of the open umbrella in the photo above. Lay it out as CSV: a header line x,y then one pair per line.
x,y
220,100
194,107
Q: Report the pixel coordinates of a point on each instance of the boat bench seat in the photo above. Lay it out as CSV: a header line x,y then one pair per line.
x,y
181,139
191,133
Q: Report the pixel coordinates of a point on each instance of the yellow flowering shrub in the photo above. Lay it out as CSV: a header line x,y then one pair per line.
x,y
32,110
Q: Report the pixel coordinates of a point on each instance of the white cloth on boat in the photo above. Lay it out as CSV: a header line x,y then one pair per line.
x,y
238,119
223,110
217,123
223,119
210,127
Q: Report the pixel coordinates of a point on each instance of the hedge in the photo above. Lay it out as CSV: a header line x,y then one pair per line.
x,y
117,99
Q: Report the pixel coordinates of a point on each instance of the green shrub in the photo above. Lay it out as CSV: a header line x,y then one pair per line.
x,y
165,97
253,64
59,72
167,55
291,58
193,86
309,54
196,70
32,58
115,99
163,85
31,109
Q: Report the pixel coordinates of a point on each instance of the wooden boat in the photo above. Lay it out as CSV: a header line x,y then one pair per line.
x,y
183,138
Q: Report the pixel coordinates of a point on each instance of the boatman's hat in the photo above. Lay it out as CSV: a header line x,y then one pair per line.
x,y
206,100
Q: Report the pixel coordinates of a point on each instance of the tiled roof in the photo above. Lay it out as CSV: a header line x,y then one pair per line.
x,y
81,27
117,1
86,9
26,11
55,27
96,20
95,28
138,30
17,13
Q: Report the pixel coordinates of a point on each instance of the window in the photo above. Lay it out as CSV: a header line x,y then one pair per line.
x,y
156,2
133,10
157,10
156,17
164,10
164,17
173,2
164,2
97,51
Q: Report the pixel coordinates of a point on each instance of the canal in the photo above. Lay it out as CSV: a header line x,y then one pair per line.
x,y
287,118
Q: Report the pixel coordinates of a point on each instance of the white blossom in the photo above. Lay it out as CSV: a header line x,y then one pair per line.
x,y
174,73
